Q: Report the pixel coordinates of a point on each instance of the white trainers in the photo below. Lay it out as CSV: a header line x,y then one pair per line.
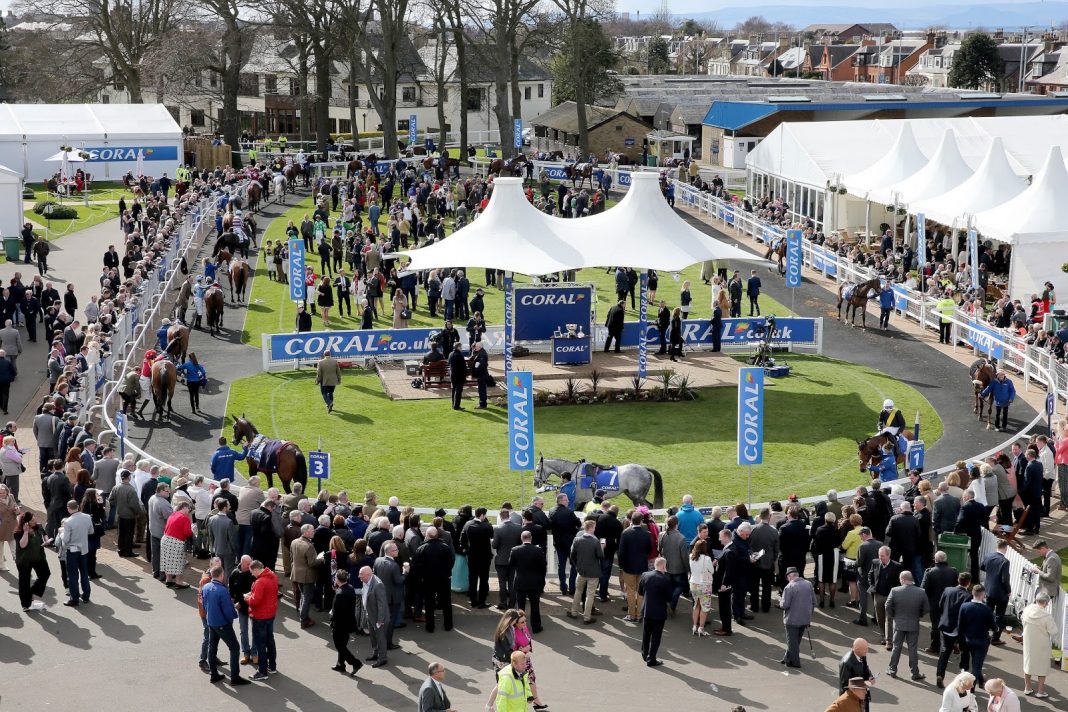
x,y
38,606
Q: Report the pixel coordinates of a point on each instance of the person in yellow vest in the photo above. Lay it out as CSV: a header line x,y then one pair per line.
x,y
283,142
693,172
182,174
594,504
513,685
268,145
252,156
945,306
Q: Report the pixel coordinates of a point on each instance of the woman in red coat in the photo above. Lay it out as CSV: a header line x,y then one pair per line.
x,y
178,530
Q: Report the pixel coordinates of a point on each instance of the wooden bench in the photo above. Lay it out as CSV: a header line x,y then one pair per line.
x,y
1008,534
436,375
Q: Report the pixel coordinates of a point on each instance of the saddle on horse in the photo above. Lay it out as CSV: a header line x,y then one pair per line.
x,y
598,477
264,452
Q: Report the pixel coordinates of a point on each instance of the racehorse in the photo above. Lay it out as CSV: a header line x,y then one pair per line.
x,y
178,341
579,172
857,299
164,376
224,256
214,303
632,480
238,275
983,378
513,167
780,252
870,450
254,193
290,464
281,186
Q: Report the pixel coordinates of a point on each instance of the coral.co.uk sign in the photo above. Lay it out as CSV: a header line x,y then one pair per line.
x,y
110,154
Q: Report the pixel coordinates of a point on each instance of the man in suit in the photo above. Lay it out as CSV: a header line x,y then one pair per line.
x,y
854,664
392,575
764,538
998,587
343,617
614,323
734,291
1031,490
971,520
906,606
797,603
903,538
655,589
950,604
457,375
724,578
935,582
794,542
480,372
432,697
476,538
946,508
866,554
974,626
433,564
634,549
883,574
328,377
376,605
752,290
527,562
506,536
1049,575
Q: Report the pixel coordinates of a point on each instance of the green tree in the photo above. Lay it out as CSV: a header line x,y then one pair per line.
x,y
658,56
5,61
584,68
977,64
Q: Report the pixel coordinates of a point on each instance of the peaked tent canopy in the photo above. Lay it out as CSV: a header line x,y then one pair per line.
x,y
903,160
945,171
1035,222
993,183
642,232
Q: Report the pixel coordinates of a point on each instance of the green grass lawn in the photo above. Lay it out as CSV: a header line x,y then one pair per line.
x,y
88,216
428,454
1063,553
101,190
271,312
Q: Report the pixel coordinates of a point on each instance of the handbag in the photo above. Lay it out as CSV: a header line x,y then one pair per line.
x,y
406,314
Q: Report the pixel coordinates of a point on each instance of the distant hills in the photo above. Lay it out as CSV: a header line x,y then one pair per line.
x,y
989,16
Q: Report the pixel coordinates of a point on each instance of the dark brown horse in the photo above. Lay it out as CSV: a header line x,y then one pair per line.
x,y
214,304
178,341
858,299
238,275
290,464
984,376
255,196
780,252
578,173
164,376
512,167
870,450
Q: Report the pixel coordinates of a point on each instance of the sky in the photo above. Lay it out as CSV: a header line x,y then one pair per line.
x,y
684,6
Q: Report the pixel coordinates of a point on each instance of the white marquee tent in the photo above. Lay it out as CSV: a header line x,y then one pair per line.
x,y
11,218
993,183
1035,223
642,231
903,160
945,171
111,133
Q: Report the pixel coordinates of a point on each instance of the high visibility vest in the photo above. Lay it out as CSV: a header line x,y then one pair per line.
x,y
282,140
252,154
946,306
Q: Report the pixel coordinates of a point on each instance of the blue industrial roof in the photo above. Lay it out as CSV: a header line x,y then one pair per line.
x,y
735,115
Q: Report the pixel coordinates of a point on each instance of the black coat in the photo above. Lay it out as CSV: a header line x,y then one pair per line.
x,y
656,587
538,535
903,537
433,561
477,539
264,539
344,612
794,540
881,579
528,563
936,580
971,519
614,322
565,526
634,548
851,666
457,367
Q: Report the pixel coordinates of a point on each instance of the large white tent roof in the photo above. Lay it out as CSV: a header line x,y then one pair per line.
x,y
72,121
1038,214
642,231
993,183
945,171
903,160
823,152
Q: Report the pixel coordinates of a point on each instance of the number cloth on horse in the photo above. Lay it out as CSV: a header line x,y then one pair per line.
x,y
264,451
598,477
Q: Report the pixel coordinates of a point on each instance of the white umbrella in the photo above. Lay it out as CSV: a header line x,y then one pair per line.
x,y
69,156
140,163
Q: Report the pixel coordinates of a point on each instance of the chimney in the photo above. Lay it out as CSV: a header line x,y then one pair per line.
x,y
785,41
999,33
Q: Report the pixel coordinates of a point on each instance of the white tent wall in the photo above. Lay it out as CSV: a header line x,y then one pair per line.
x,y
31,133
11,217
1034,264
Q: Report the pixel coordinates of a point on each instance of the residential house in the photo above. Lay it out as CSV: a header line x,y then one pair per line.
x,y
834,62
608,130
888,62
849,33
1049,72
932,69
723,62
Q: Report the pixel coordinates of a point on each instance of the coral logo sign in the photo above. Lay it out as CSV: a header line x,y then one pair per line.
x,y
793,258
521,420
750,416
113,154
541,312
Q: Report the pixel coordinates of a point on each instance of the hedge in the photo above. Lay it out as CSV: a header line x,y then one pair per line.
x,y
59,212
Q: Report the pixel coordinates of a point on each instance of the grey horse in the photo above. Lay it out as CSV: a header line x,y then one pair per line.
x,y
632,480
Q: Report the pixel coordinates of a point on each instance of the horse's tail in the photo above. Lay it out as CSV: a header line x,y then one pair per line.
x,y
658,489
301,475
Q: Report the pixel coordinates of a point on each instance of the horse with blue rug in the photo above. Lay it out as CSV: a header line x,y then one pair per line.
x,y
633,480
271,456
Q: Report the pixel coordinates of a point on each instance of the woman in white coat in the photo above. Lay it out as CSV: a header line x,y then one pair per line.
x,y
1002,699
1039,632
958,696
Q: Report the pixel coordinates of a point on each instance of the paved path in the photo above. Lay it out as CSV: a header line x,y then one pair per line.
x,y
188,440
75,259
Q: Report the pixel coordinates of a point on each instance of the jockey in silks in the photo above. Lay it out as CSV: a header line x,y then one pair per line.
x,y
199,290
238,226
151,356
773,246
891,421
